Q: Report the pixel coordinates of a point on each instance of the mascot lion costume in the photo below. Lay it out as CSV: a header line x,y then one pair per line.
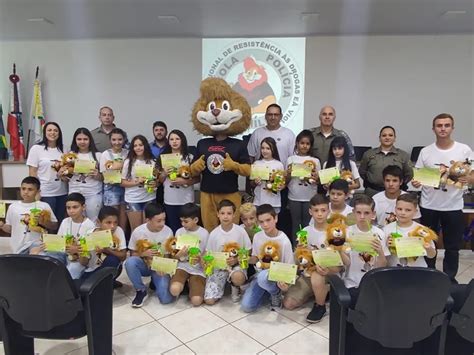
x,y
221,113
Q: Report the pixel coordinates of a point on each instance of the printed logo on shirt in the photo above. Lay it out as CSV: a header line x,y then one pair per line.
x,y
215,163
216,148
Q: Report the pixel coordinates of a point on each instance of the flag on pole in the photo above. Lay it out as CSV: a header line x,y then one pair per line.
x,y
3,140
37,115
14,123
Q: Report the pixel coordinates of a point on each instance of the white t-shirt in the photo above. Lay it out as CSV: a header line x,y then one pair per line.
x,y
178,195
110,155
392,259
203,235
286,251
142,232
316,237
90,186
94,258
430,157
262,194
384,206
299,190
359,266
284,138
43,159
68,227
219,237
21,238
136,194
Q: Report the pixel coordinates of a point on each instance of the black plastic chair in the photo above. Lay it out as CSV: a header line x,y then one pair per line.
x,y
359,151
39,299
415,152
460,339
395,308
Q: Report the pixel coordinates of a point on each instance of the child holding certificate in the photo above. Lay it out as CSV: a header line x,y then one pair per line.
x,y
111,163
260,285
177,181
223,236
302,188
87,182
405,211
339,157
315,285
154,231
193,274
265,191
114,254
137,171
368,242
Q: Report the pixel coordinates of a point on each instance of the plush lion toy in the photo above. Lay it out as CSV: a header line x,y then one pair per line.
x,y
36,222
457,170
277,181
304,260
66,164
269,252
336,234
232,248
144,245
220,112
309,180
116,164
347,175
170,246
426,233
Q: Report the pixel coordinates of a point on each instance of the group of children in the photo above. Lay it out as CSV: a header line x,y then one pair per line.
x,y
249,285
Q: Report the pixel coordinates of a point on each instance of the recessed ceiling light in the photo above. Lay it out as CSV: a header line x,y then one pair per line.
x,y
451,14
309,16
40,19
168,19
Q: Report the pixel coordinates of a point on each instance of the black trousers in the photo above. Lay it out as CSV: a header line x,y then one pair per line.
x,y
451,223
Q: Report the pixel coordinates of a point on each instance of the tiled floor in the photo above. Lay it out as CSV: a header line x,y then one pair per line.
x,y
180,328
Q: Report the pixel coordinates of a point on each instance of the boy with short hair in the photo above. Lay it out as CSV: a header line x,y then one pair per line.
x,y
405,211
75,226
315,285
357,264
155,231
248,216
23,240
193,274
223,235
338,193
260,285
385,200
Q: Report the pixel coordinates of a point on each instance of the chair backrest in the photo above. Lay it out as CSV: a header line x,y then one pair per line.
x,y
399,306
37,292
359,151
415,152
463,320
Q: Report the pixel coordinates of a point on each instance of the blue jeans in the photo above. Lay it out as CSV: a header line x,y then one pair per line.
x,y
259,286
58,205
109,261
136,268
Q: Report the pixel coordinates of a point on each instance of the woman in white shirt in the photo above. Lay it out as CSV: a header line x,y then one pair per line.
x,y
89,185
41,158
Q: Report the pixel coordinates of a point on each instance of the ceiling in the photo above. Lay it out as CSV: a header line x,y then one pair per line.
x,y
80,19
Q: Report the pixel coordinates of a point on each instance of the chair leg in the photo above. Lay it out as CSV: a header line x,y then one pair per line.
x,y
14,342
99,319
442,337
337,327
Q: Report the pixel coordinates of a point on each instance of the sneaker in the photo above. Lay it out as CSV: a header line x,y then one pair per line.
x,y
275,300
139,299
316,314
235,293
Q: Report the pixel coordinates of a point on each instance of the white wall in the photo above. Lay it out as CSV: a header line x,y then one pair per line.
x,y
403,81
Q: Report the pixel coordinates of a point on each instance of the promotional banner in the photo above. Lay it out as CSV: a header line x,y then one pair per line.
x,y
264,71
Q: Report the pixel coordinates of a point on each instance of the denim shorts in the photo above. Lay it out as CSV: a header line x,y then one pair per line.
x,y
113,195
136,206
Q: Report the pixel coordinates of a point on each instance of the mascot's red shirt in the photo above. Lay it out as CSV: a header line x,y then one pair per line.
x,y
214,178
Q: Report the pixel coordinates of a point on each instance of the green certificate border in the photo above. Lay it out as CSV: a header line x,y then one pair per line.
x,y
54,243
84,166
144,171
259,171
409,247
164,265
101,239
220,260
326,176
282,272
327,258
112,177
300,170
171,160
189,240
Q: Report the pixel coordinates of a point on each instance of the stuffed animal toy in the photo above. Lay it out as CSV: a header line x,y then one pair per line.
x,y
309,180
457,170
170,247
304,260
232,248
426,233
36,220
269,252
391,217
144,245
221,113
336,234
184,172
277,181
116,164
369,261
347,175
65,167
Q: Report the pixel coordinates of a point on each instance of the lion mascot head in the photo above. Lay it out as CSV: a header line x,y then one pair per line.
x,y
220,110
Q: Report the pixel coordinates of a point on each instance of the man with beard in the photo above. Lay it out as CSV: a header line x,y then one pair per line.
x,y
160,131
